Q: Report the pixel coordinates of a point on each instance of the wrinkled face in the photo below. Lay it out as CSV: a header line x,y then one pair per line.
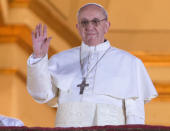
x,y
92,25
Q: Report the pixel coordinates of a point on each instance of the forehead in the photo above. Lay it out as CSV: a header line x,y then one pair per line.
x,y
91,12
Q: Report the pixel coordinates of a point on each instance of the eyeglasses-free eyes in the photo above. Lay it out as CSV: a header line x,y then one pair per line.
x,y
95,22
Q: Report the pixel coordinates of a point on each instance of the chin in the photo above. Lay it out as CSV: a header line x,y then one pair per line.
x,y
92,43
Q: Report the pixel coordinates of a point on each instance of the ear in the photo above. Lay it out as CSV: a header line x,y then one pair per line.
x,y
106,27
78,28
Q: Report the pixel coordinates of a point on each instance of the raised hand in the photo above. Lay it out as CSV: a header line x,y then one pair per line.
x,y
40,41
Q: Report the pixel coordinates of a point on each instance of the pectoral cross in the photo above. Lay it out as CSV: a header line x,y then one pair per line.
x,y
82,85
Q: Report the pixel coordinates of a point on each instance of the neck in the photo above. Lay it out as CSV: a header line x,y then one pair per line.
x,y
95,44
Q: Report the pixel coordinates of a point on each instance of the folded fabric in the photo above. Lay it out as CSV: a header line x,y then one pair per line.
x,y
7,121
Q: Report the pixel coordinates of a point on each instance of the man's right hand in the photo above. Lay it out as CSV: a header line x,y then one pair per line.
x,y
40,41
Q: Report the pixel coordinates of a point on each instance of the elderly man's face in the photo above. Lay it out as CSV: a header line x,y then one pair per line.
x,y
92,25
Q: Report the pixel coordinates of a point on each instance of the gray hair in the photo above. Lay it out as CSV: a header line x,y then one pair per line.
x,y
100,6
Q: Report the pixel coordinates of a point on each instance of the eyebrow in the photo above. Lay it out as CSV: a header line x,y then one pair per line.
x,y
88,19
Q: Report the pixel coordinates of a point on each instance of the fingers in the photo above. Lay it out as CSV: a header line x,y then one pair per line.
x,y
40,40
45,31
39,35
48,41
33,35
37,31
40,30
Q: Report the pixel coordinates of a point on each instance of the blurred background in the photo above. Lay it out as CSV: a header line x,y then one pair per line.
x,y
141,27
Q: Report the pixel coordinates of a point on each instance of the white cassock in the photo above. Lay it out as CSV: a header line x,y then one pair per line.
x,y
119,86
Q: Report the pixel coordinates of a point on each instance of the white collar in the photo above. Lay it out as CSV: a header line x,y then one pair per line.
x,y
86,50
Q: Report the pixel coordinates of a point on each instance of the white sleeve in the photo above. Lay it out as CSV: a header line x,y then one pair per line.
x,y
135,112
39,83
33,60
7,121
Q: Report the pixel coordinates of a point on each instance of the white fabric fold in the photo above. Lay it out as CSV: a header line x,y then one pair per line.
x,y
8,121
33,60
135,112
145,86
88,114
123,76
39,83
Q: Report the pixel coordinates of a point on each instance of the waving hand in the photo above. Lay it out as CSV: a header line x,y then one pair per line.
x,y
40,41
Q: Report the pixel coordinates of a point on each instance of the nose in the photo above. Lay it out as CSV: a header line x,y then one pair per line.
x,y
89,26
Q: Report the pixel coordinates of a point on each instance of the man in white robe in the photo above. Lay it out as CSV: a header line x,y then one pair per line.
x,y
96,84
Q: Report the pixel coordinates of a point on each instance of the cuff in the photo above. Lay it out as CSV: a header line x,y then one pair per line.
x,y
32,60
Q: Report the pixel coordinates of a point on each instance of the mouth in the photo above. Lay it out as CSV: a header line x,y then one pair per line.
x,y
91,34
